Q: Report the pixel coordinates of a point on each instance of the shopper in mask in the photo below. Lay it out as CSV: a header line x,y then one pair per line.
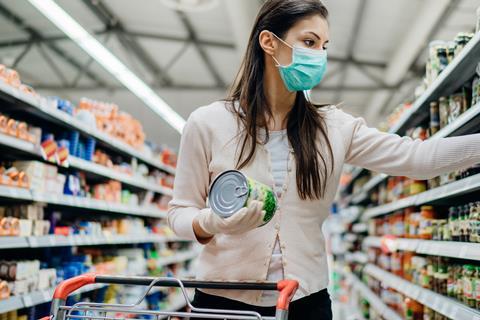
x,y
270,131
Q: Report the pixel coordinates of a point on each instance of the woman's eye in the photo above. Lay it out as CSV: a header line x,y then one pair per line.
x,y
309,43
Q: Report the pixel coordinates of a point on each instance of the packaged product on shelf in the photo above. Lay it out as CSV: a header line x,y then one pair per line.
x,y
469,273
434,118
12,78
476,87
461,41
427,215
63,105
434,62
114,122
443,108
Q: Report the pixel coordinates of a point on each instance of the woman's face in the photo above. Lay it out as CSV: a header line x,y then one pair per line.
x,y
311,32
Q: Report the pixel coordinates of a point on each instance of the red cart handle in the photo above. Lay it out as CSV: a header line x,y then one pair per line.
x,y
68,286
287,290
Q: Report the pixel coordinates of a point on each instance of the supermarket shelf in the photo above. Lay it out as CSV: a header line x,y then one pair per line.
x,y
178,257
44,296
372,183
78,202
93,204
451,249
460,123
136,181
41,109
449,190
80,240
444,305
88,166
373,299
451,77
38,297
460,70
19,144
466,119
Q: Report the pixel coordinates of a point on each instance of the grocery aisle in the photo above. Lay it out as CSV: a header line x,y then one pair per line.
x,y
101,99
409,248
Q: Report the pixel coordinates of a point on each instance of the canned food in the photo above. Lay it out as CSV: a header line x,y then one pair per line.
x,y
232,190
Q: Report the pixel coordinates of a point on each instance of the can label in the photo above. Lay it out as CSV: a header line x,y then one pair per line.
x,y
261,192
232,190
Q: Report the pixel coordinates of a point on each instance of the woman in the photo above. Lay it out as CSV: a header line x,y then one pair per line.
x,y
271,132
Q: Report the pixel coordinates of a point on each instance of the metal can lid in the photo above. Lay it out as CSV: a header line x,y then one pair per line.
x,y
228,193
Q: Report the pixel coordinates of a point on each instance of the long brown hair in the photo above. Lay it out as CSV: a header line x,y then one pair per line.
x,y
305,123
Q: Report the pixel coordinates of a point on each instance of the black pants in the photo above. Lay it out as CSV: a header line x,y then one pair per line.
x,y
316,306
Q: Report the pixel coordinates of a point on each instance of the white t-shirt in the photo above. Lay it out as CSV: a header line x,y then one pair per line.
x,y
278,149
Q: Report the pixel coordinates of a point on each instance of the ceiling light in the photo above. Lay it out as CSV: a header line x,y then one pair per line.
x,y
109,61
191,5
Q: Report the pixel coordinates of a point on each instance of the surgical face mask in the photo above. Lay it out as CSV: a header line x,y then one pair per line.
x,y
306,70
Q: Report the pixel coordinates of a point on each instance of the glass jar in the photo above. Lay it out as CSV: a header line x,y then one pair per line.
x,y
461,41
469,273
427,214
428,313
442,58
455,107
474,222
453,223
464,223
451,50
442,277
446,232
451,281
477,288
431,272
434,118
443,110
414,310
459,281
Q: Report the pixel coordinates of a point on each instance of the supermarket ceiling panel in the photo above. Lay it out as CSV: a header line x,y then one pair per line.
x,y
190,57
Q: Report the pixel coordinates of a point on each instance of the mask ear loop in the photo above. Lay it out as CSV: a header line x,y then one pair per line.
x,y
285,43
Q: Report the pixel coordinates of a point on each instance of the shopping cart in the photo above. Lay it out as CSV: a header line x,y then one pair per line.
x,y
105,311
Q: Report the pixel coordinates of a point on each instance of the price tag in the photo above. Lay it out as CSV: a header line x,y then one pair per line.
x,y
27,301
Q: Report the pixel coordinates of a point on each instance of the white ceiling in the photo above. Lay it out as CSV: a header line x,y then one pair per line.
x,y
381,29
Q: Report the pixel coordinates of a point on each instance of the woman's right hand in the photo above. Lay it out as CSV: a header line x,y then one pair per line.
x,y
208,223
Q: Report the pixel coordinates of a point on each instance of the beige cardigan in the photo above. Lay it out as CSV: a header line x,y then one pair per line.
x,y
208,147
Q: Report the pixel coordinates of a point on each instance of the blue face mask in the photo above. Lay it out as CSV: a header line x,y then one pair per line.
x,y
306,70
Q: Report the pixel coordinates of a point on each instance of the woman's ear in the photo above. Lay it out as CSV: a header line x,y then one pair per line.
x,y
267,42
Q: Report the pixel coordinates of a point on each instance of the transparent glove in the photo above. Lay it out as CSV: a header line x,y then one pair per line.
x,y
244,220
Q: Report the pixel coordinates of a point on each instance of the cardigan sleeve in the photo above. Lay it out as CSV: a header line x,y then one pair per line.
x,y
191,180
403,156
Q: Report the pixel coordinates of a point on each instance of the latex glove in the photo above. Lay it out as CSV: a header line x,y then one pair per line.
x,y
242,221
